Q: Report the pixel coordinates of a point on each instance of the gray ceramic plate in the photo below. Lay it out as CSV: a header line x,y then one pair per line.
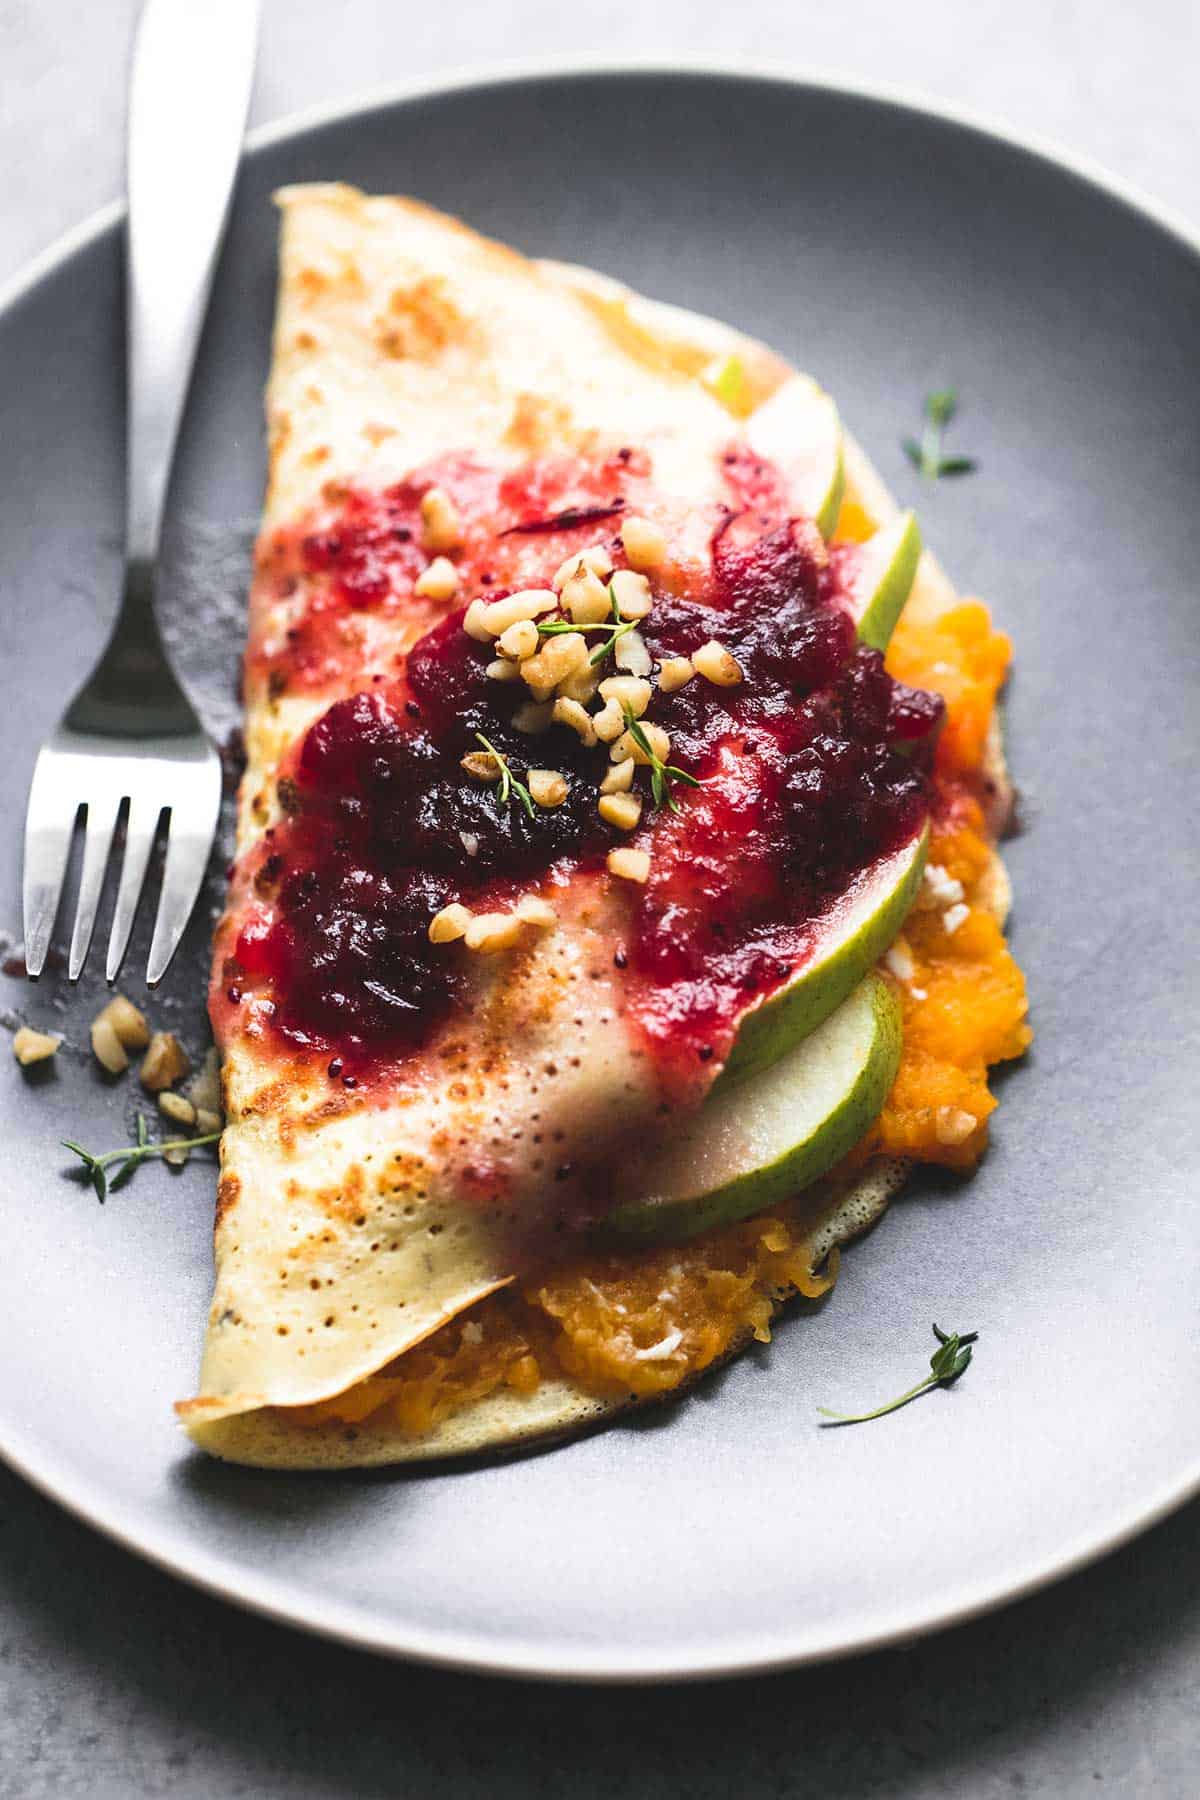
x,y
889,251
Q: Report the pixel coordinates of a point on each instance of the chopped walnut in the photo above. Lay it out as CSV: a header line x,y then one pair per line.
x,y
558,658
441,526
631,654
531,909
630,692
165,1063
520,640
629,865
585,597
30,1046
581,685
675,673
130,1025
569,712
480,765
107,1047
495,616
439,581
621,810
451,923
608,723
618,777
627,746
631,593
595,558
491,932
177,1109
717,664
547,787
645,544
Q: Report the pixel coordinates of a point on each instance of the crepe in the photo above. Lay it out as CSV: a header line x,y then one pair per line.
x,y
342,1237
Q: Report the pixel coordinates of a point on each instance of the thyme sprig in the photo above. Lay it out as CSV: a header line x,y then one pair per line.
x,y
950,1360
925,455
509,785
662,774
556,627
619,628
616,628
130,1157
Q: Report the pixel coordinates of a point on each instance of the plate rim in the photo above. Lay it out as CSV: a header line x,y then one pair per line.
x,y
219,1574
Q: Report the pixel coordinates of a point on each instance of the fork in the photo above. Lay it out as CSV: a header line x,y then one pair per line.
x,y
130,741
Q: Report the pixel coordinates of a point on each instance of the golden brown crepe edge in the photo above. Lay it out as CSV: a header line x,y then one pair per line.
x,y
505,1421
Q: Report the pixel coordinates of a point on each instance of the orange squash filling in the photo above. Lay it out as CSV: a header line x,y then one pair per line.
x,y
645,1321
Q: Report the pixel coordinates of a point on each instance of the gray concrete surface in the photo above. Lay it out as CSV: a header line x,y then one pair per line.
x,y
114,1680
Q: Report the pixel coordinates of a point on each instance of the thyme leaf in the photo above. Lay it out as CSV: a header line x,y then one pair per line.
x,y
662,774
606,649
129,1157
616,628
941,406
619,627
950,1360
509,785
925,453
137,1155
556,627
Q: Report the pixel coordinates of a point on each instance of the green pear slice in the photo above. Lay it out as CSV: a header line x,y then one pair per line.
x,y
798,429
749,1149
863,924
884,578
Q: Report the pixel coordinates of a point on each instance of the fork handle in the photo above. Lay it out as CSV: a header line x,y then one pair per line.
x,y
193,63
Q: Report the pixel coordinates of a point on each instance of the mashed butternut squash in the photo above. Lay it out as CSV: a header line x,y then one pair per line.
x,y
964,1009
645,1321
958,655
616,1324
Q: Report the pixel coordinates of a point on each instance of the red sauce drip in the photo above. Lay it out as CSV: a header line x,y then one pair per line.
x,y
813,768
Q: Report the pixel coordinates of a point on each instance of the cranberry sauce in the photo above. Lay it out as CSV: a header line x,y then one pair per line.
x,y
810,768
385,829
334,602
814,766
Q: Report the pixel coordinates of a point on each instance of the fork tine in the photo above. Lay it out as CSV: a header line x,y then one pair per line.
x,y
97,843
193,825
49,827
140,828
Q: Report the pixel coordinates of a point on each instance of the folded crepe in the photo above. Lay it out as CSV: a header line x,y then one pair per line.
x,y
414,1127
